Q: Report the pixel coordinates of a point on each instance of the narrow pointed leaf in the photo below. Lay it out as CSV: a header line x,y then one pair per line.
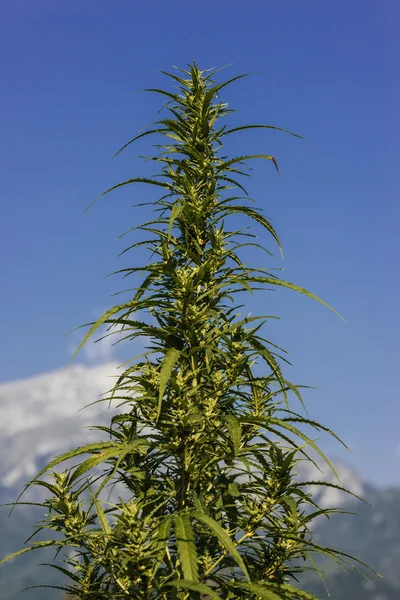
x,y
195,587
163,184
235,433
244,127
224,539
170,360
186,548
101,514
261,591
175,212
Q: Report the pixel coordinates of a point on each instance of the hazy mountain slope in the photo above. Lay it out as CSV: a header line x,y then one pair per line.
x,y
352,586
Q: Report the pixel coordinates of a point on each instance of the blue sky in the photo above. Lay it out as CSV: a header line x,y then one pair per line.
x,y
327,70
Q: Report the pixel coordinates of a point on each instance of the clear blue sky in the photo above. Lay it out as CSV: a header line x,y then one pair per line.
x,y
329,71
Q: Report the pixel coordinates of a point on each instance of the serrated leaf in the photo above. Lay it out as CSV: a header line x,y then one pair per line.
x,y
261,590
35,546
186,548
163,184
175,212
66,572
109,313
291,503
88,449
162,539
296,592
235,432
297,288
305,438
233,489
170,360
240,159
146,133
195,587
224,539
243,127
121,450
256,216
105,525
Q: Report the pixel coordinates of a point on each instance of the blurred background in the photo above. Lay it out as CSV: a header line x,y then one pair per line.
x,y
325,70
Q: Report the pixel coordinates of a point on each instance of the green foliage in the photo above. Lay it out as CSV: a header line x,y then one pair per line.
x,y
206,450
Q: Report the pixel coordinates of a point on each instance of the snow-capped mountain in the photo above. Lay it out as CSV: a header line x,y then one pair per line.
x,y
48,414
43,416
349,479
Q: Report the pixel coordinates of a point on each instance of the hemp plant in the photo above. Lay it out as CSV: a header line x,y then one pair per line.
x,y
202,450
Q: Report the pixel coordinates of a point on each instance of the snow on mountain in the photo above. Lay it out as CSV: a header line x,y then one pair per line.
x,y
42,416
326,497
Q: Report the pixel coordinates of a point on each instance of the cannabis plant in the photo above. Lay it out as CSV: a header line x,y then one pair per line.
x,y
201,453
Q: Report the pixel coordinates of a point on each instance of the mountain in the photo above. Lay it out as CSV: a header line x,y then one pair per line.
x,y
373,536
351,586
41,417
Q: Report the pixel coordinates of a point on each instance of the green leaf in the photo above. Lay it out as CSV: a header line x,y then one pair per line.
x,y
243,127
219,87
109,313
170,359
291,503
332,485
224,539
66,572
195,587
162,536
256,216
88,449
150,132
175,212
261,590
35,546
105,525
305,438
296,592
225,166
186,548
296,288
163,184
53,587
235,432
120,450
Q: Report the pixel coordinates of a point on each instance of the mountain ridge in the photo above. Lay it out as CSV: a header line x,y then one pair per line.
x,y
41,417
